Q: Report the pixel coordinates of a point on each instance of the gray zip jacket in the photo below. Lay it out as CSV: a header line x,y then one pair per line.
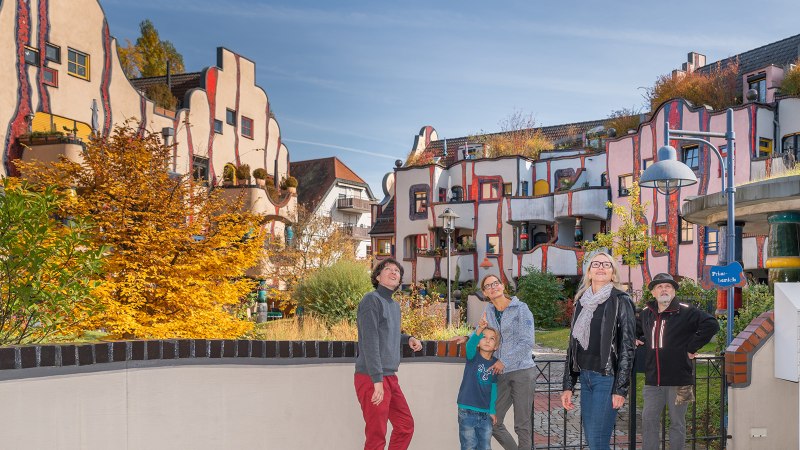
x,y
517,335
379,337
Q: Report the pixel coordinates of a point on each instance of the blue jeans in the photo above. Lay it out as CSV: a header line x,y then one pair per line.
x,y
474,430
597,414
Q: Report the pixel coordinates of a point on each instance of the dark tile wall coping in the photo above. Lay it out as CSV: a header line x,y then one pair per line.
x,y
96,354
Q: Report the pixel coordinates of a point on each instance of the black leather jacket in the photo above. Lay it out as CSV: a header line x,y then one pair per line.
x,y
618,337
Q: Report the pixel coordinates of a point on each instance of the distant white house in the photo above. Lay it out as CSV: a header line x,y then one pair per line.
x,y
328,188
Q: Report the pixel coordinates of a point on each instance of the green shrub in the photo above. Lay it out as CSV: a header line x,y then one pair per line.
x,y
243,172
544,295
333,292
260,174
227,173
756,299
690,292
161,96
791,80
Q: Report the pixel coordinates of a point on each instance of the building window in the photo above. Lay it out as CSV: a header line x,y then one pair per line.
x,y
712,241
31,56
603,179
660,232
384,247
790,145
418,198
420,202
457,194
687,231
760,85
50,76
490,190
647,163
230,117
217,126
247,127
200,169
442,195
764,148
625,183
369,250
507,190
78,64
492,244
52,53
691,157
523,189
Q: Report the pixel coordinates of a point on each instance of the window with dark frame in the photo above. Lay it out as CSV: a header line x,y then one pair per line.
x,y
247,127
31,56
217,126
490,190
200,168
442,195
50,76
456,194
625,183
760,85
686,234
230,117
523,189
790,145
764,148
691,156
420,202
492,244
711,244
52,53
507,192
78,64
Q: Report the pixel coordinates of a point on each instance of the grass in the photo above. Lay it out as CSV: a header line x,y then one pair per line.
x,y
556,338
311,328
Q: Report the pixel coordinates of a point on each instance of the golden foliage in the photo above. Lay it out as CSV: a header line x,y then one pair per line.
x,y
716,89
791,80
177,252
307,328
422,158
518,136
623,120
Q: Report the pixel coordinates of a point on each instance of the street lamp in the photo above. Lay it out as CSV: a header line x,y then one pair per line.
x,y
448,226
668,175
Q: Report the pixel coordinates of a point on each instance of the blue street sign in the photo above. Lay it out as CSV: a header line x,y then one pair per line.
x,y
724,276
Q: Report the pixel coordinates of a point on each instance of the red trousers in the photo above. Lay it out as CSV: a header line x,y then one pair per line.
x,y
393,408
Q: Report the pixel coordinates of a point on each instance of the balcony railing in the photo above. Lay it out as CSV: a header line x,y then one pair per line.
x,y
353,204
356,232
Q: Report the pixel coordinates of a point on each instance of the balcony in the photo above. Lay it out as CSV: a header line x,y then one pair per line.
x,y
353,205
589,203
356,231
49,148
532,209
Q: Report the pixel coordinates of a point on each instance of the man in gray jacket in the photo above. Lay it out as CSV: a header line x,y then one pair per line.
x,y
379,344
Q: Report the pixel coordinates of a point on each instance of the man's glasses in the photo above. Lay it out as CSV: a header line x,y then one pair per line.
x,y
599,264
491,285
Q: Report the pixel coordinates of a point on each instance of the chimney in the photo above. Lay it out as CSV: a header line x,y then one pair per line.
x,y
694,61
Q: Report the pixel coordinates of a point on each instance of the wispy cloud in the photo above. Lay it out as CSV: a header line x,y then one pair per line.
x,y
339,147
336,130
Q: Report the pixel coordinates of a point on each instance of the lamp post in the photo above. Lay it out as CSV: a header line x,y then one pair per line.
x,y
448,226
669,174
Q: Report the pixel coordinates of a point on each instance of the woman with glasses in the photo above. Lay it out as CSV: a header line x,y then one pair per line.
x,y
600,351
515,366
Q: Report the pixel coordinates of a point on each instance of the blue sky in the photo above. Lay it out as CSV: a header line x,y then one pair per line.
x,y
358,79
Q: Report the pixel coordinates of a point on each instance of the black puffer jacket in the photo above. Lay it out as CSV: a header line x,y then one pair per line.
x,y
618,337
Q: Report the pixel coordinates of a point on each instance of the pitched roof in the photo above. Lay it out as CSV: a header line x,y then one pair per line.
x,y
779,53
384,224
554,133
181,83
316,176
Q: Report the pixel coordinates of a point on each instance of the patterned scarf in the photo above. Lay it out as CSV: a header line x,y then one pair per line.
x,y
589,301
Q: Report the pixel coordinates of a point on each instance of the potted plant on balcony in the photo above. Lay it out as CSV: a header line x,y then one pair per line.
x,y
227,175
243,174
291,184
261,176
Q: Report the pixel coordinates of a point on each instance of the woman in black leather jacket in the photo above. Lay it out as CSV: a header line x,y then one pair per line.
x,y
601,347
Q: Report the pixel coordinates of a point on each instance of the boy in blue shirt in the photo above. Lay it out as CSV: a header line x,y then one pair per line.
x,y
478,392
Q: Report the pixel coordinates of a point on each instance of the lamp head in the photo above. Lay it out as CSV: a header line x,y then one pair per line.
x,y
668,174
448,220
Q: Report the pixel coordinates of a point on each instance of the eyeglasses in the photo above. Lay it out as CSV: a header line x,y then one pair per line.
x,y
491,285
599,264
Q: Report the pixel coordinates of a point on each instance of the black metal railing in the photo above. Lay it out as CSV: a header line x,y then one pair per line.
x,y
555,428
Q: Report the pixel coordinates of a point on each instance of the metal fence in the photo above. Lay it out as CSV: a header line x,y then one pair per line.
x,y
555,428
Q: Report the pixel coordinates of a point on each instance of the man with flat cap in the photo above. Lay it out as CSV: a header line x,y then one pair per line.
x,y
672,333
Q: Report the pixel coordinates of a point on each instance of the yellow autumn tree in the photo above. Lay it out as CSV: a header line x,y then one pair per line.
x,y
519,136
177,252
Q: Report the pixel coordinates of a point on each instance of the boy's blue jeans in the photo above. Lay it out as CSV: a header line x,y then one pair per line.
x,y
474,430
596,411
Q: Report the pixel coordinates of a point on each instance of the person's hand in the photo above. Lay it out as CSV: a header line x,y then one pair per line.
x,y
638,343
494,419
617,401
482,324
415,344
692,355
566,400
377,395
497,368
459,339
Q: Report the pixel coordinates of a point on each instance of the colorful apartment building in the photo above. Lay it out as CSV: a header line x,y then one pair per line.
x,y
515,212
66,77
